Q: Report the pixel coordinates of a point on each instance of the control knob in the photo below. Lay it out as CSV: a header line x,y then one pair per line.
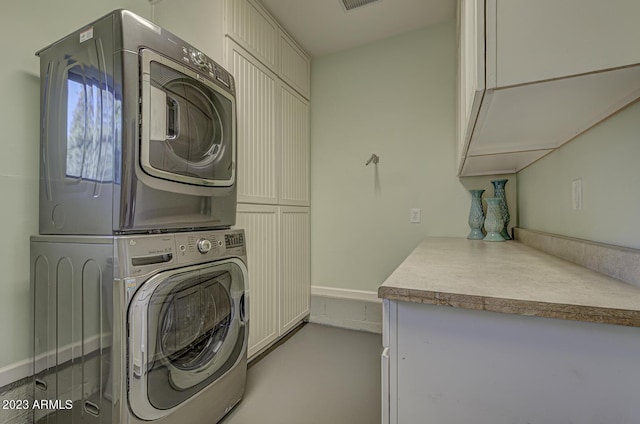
x,y
204,246
200,59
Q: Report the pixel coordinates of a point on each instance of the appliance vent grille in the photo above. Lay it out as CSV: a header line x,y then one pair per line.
x,y
352,4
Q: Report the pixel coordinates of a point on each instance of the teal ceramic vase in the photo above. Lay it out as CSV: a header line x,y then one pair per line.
x,y
493,223
499,193
476,215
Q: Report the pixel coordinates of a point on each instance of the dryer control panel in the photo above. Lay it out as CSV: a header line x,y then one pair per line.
x,y
208,66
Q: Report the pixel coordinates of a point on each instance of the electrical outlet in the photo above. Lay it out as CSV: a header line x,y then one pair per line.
x,y
576,194
416,216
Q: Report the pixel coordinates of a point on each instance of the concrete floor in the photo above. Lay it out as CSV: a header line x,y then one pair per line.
x,y
320,375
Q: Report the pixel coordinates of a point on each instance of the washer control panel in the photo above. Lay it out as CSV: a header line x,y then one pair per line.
x,y
209,245
143,253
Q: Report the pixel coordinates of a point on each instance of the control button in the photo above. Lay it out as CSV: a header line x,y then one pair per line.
x,y
223,77
182,248
204,246
220,243
199,59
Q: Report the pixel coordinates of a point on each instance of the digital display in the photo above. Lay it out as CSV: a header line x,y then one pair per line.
x,y
234,240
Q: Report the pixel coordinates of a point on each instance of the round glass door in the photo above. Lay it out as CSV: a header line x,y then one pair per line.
x,y
188,124
195,322
187,328
194,130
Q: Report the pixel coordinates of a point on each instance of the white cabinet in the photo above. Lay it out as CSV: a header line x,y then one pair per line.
x,y
272,76
273,135
258,153
295,66
294,148
279,270
249,24
459,366
539,74
260,223
295,266
252,27
545,39
470,69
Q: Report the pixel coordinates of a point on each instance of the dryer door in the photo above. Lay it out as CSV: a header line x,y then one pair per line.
x,y
187,328
188,125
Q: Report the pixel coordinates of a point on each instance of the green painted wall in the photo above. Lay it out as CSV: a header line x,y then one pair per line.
x,y
607,158
395,98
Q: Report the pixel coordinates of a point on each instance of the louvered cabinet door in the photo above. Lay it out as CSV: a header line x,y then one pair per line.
x,y
260,223
294,148
257,147
295,267
251,26
295,66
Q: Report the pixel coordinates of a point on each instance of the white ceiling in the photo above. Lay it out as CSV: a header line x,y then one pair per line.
x,y
323,26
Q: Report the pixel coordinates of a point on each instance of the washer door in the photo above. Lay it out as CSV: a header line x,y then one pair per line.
x,y
187,328
188,125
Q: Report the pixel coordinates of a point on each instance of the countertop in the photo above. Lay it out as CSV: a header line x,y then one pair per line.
x,y
510,277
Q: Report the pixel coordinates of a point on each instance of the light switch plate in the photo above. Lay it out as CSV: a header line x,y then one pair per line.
x,y
416,216
576,194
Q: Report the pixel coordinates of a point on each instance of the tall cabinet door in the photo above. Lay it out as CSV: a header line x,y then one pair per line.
x,y
257,148
295,287
471,70
294,145
260,223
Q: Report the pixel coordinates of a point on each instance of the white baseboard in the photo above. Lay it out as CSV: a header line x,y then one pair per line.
x,y
365,296
16,371
351,309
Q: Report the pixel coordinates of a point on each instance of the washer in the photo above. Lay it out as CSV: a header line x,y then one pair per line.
x,y
138,132
140,328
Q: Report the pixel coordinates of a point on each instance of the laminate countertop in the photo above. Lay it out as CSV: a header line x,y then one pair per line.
x,y
512,278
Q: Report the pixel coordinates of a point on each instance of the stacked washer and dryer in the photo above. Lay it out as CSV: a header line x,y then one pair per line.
x,y
139,281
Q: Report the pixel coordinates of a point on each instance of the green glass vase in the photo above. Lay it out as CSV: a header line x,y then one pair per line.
x,y
499,192
493,223
476,215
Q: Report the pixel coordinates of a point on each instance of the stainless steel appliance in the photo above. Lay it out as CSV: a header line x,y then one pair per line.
x,y
138,132
139,328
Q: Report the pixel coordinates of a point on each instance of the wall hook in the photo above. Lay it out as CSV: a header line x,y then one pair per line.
x,y
374,158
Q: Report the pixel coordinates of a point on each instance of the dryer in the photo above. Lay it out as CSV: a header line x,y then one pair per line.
x,y
138,132
140,328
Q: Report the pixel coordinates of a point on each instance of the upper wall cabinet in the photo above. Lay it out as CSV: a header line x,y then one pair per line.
x,y
470,68
533,75
253,28
295,65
